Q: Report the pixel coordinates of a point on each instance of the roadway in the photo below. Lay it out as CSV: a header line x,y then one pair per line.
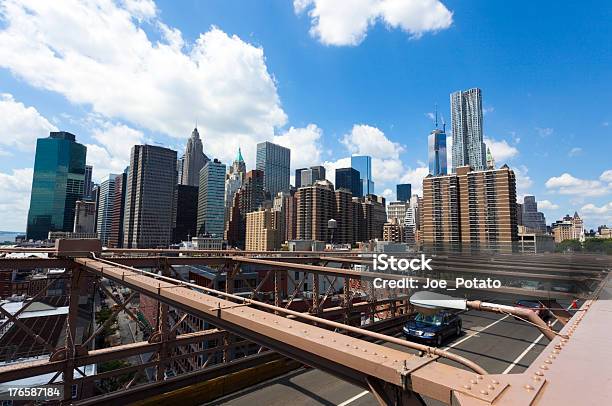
x,y
499,343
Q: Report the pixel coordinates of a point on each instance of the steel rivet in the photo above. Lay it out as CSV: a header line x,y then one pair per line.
x,y
491,387
478,376
494,382
528,387
548,361
543,367
539,373
474,381
322,337
536,378
484,392
467,386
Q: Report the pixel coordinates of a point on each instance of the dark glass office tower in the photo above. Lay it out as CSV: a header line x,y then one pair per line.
x,y
58,182
403,192
149,198
349,178
274,160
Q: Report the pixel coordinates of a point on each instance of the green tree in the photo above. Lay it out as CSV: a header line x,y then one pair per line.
x,y
569,245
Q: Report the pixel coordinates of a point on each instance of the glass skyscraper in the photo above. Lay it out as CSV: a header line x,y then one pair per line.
x,y
274,160
211,199
363,163
349,178
437,152
403,192
58,182
466,116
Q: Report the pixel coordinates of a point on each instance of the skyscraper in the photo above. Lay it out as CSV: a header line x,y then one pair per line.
x,y
84,217
403,192
211,199
316,205
437,152
466,117
186,217
274,160
531,217
115,239
262,233
193,161
149,197
88,186
58,182
248,198
363,163
308,176
233,181
470,209
349,178
105,208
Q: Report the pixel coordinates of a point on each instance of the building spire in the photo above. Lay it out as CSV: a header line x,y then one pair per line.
x,y
239,156
436,109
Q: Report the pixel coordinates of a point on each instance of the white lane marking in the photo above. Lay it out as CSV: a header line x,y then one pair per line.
x,y
362,394
456,343
522,355
354,398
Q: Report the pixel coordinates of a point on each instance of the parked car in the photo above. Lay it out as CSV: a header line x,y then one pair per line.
x,y
433,328
537,307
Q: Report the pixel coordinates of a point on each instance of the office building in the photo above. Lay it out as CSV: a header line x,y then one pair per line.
x,y
315,207
84,217
344,217
397,211
149,197
193,161
58,182
349,179
466,117
308,176
262,233
363,164
249,198
115,239
274,161
436,146
186,216
370,216
286,204
403,192
470,210
233,181
211,199
569,228
88,185
531,217
105,208
393,231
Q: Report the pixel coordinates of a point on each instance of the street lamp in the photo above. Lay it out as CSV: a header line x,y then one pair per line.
x,y
431,302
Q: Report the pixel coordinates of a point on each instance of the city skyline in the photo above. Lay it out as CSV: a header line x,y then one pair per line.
x,y
542,139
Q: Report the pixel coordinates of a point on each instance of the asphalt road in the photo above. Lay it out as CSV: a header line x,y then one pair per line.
x,y
498,343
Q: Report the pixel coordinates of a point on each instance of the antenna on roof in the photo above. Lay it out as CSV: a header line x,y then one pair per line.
x,y
436,109
443,124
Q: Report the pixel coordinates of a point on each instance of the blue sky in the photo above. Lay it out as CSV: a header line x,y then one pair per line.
x,y
326,81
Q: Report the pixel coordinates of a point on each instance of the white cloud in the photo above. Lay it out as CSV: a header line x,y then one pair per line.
x,y
388,194
567,184
487,110
367,140
523,181
346,22
98,55
21,125
545,132
547,205
331,166
605,123
575,152
415,176
15,199
112,153
597,215
501,150
305,145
